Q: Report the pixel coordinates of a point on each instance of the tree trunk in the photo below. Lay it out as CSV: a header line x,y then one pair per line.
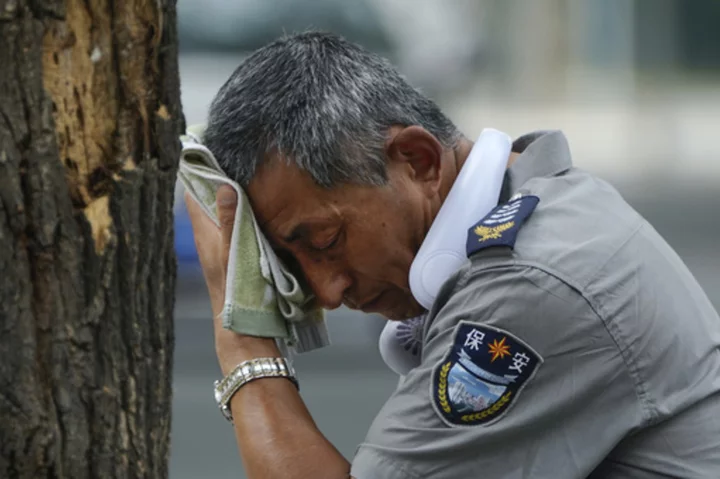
x,y
89,122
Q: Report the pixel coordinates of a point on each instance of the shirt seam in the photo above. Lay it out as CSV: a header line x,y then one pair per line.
x,y
600,267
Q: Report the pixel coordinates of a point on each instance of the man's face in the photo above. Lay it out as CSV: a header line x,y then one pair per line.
x,y
354,244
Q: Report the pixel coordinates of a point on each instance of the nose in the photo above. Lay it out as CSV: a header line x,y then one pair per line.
x,y
328,285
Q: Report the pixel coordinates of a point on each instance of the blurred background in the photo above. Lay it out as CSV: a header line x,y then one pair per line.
x,y
635,85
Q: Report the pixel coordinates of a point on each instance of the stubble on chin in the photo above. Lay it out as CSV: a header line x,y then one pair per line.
x,y
410,310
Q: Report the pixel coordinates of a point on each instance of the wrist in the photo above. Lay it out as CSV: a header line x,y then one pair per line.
x,y
233,348
250,371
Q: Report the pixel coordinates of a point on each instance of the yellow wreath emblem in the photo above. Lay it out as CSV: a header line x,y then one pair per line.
x,y
442,387
492,232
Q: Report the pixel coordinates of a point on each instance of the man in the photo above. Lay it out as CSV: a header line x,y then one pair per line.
x,y
574,342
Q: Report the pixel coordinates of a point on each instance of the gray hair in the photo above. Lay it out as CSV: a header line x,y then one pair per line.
x,y
321,102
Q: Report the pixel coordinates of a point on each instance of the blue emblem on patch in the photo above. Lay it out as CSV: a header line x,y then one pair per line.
x,y
482,375
500,227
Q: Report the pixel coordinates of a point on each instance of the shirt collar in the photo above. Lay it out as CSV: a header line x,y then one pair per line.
x,y
542,154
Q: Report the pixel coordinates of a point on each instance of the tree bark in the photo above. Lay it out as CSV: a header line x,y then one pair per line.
x,y
89,121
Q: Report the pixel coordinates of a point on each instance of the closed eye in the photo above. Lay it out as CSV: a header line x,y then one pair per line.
x,y
326,245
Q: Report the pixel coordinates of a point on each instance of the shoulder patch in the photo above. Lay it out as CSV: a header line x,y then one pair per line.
x,y
500,227
482,375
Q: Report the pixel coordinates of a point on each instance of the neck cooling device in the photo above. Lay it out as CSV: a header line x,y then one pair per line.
x,y
474,193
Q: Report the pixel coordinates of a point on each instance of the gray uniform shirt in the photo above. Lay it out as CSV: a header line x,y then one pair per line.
x,y
618,346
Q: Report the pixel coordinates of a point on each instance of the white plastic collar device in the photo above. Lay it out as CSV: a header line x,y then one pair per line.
x,y
474,193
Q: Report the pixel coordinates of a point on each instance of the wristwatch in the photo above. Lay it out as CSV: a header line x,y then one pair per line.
x,y
249,371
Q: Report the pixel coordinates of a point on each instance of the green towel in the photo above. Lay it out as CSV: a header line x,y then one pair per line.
x,y
262,297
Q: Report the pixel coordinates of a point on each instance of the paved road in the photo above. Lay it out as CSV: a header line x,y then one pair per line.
x,y
346,384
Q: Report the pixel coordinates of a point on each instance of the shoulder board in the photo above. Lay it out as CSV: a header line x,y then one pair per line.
x,y
501,226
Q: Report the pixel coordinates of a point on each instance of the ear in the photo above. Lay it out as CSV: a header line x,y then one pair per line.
x,y
419,153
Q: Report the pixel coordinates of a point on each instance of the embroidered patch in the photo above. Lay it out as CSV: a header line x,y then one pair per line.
x,y
500,227
482,375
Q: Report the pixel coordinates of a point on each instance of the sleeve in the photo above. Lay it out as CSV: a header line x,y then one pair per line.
x,y
519,378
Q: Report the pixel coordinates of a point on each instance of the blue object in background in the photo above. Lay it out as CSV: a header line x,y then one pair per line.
x,y
184,239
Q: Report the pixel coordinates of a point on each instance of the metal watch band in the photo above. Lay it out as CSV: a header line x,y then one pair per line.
x,y
249,371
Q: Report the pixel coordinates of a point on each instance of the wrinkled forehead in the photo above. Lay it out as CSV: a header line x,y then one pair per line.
x,y
281,193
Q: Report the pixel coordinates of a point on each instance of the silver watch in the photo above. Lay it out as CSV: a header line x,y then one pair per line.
x,y
249,371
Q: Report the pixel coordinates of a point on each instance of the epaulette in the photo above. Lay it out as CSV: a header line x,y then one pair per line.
x,y
501,226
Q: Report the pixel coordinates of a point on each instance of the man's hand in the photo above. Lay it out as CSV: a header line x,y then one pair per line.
x,y
213,243
213,247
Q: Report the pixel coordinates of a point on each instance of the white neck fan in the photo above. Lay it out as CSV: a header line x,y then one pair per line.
x,y
474,193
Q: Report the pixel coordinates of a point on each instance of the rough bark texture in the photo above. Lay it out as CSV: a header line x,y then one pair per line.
x,y
89,119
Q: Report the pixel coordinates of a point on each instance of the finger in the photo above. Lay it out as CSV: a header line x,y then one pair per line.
x,y
190,203
198,218
208,244
226,204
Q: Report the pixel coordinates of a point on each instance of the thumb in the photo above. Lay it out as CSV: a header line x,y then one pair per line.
x,y
226,200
